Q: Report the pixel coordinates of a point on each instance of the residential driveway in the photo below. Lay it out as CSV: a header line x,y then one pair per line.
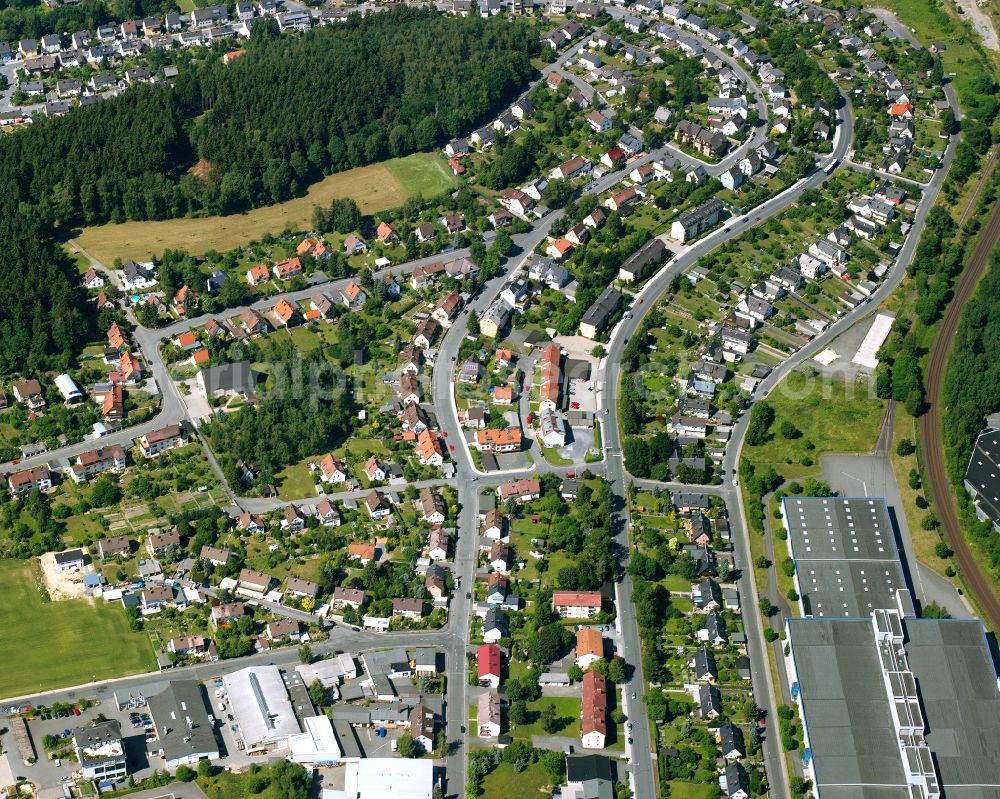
x,y
872,476
196,403
557,743
580,440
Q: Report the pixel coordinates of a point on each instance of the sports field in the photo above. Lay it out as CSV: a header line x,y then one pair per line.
x,y
47,645
375,188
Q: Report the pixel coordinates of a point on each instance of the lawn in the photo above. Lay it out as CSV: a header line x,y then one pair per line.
x,y
832,416
376,187
423,174
691,790
47,645
500,783
567,712
229,785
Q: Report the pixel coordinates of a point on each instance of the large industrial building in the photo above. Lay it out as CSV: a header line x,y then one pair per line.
x,y
264,715
383,777
847,564
896,708
184,733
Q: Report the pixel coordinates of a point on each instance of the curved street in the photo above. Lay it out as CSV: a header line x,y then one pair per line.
x,y
470,480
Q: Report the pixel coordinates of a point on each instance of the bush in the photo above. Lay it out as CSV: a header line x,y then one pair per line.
x,y
905,447
789,430
942,550
930,522
788,567
185,773
770,635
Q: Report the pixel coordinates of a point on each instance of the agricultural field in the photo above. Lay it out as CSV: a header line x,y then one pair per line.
x,y
376,187
51,644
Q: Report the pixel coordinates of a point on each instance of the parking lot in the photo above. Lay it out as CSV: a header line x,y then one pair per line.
x,y
50,775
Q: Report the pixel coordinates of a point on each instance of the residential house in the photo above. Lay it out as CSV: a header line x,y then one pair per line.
x,y
488,664
489,718
154,442
408,608
157,542
285,629
253,583
377,505
594,711
495,625
348,597
287,269
589,647
576,604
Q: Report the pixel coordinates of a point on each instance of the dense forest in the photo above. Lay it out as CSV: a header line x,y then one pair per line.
x,y
260,130
972,381
304,409
22,19
271,123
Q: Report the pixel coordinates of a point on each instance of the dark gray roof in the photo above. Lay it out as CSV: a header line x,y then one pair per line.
x,y
605,305
716,626
846,708
237,377
704,663
709,699
181,720
652,253
688,499
983,473
495,620
845,554
69,556
580,768
731,738
736,779
709,590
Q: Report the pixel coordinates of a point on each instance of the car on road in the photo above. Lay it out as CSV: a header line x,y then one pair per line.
x,y
633,694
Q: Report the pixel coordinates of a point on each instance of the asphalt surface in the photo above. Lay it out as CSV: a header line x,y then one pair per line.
x,y
453,638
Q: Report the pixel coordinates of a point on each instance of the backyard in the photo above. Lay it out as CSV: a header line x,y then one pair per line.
x,y
47,645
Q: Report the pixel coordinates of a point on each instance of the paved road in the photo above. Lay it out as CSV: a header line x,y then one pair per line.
x,y
763,688
872,476
453,638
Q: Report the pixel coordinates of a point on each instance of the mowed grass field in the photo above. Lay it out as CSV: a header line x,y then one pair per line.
x,y
47,645
376,187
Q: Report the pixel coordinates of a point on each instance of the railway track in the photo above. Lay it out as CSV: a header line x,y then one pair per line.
x,y
980,583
